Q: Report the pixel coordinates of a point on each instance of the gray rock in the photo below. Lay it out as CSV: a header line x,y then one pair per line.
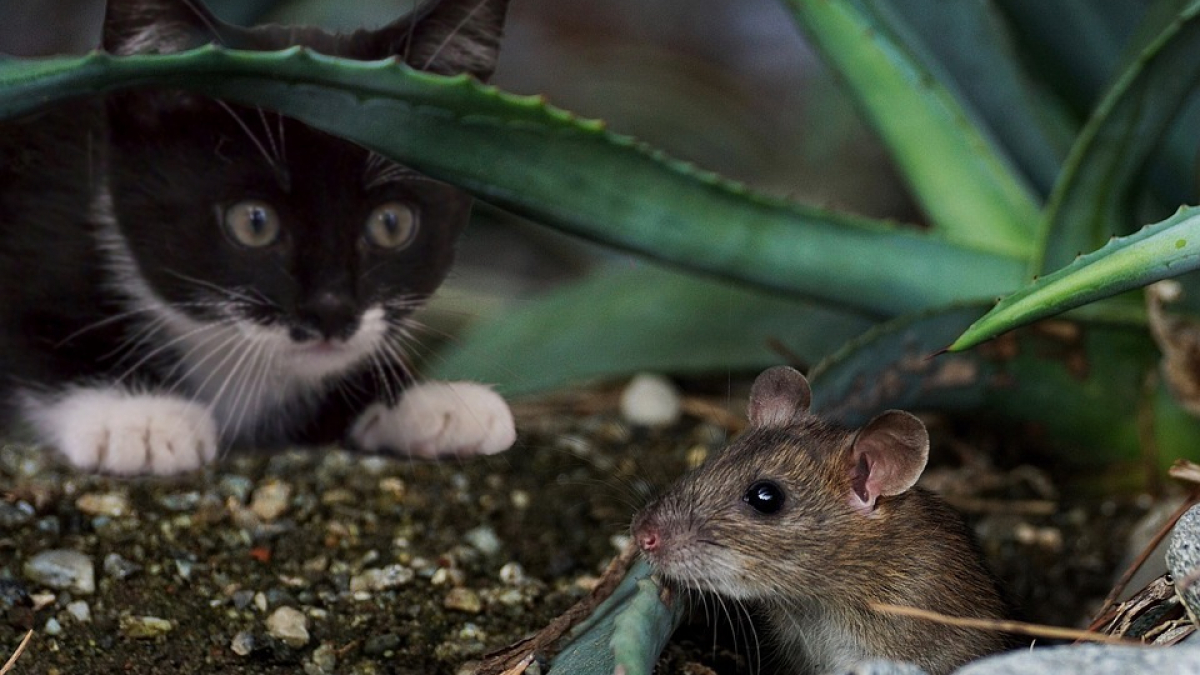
x,y
64,570
1183,560
1092,660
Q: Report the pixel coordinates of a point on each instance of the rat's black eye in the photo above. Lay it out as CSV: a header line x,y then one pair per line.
x,y
765,497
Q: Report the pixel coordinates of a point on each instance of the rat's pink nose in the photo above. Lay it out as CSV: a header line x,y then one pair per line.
x,y
648,539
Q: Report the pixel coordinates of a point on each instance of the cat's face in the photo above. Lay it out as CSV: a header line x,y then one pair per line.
x,y
280,227
250,220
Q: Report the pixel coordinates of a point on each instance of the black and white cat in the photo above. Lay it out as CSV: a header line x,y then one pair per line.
x,y
179,274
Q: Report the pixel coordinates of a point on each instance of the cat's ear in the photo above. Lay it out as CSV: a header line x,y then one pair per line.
x,y
158,26
447,37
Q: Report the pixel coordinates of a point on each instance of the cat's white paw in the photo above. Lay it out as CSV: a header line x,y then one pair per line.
x,y
119,432
437,419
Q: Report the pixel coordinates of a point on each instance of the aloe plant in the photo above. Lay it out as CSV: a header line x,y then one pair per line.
x,y
978,163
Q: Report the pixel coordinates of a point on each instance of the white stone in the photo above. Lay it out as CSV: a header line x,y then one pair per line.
x,y
650,400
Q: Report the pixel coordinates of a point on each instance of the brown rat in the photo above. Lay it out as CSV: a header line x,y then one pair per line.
x,y
812,523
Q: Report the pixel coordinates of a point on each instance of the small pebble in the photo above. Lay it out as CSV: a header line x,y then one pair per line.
x,y
289,625
63,570
512,574
241,599
144,627
463,600
448,576
520,499
270,500
111,504
470,631
378,645
13,516
484,540
242,643
650,400
393,487
238,487
42,600
80,611
53,627
119,568
322,662
381,579
180,501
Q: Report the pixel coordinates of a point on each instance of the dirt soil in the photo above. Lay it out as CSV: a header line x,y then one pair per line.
x,y
403,567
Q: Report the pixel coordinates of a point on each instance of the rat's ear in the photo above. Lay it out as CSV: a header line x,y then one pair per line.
x,y
446,37
888,456
158,26
778,397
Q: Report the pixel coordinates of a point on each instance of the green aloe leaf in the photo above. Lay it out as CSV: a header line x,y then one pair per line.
x,y
544,163
974,45
628,630
1075,47
1064,382
646,318
965,184
1158,251
1093,198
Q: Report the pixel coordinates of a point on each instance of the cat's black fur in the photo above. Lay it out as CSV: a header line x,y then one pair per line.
x,y
115,235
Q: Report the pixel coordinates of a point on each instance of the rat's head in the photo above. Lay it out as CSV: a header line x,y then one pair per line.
x,y
779,510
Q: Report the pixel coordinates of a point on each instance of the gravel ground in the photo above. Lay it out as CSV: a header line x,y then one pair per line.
x,y
321,561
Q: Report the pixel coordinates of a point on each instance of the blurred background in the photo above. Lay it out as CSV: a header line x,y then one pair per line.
x,y
731,87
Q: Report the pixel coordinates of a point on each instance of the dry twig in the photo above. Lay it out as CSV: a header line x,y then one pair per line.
x,y
12,661
1002,626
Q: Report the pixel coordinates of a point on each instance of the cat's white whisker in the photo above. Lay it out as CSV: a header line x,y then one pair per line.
x,y
165,347
262,117
280,171
252,380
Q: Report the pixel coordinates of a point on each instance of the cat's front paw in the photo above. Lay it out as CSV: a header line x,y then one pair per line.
x,y
438,419
124,433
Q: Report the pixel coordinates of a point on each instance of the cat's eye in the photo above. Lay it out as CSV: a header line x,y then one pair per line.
x,y
392,226
252,223
765,497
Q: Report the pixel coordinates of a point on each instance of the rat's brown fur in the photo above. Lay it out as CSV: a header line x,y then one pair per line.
x,y
814,567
